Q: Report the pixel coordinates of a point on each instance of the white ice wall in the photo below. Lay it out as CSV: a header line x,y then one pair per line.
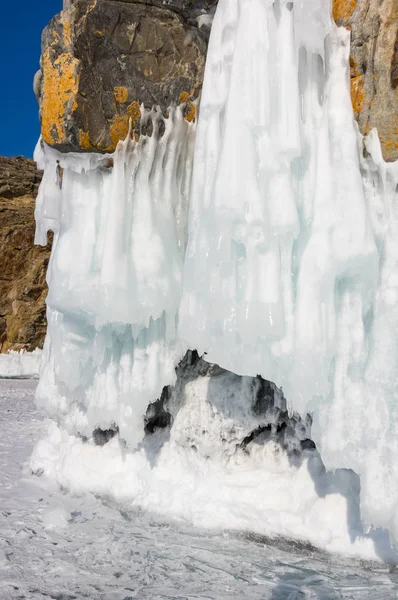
x,y
115,276
291,264
271,229
290,269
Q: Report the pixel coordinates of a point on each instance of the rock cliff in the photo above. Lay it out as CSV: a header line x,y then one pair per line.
x,y
23,265
101,59
374,66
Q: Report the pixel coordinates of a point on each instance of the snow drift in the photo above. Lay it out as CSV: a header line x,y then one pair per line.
x,y
277,256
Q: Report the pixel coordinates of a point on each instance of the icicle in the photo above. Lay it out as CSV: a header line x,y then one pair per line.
x,y
290,268
115,275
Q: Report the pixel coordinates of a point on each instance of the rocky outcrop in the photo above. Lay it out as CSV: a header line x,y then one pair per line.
x,y
23,265
102,59
374,66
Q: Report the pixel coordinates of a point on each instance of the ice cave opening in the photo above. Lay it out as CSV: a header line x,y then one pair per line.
x,y
198,264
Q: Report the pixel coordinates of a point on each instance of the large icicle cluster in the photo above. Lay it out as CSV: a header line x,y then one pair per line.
x,y
278,218
291,266
115,275
286,265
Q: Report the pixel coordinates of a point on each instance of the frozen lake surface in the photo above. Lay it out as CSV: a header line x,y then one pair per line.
x,y
57,546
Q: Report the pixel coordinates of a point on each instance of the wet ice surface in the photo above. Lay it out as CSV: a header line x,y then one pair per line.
x,y
54,545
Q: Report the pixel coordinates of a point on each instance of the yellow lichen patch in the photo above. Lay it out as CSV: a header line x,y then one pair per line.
x,y
367,128
120,125
184,97
358,98
121,94
353,67
357,94
343,11
134,112
59,91
84,140
119,129
191,114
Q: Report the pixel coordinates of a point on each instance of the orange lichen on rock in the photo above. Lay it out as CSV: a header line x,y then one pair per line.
x,y
84,140
358,98
134,111
191,113
357,94
118,130
121,94
121,124
185,98
60,83
59,91
343,11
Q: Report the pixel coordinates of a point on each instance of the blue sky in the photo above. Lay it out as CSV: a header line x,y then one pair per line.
x,y
22,24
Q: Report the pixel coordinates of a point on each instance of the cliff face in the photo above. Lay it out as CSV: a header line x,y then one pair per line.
x,y
374,66
102,58
23,265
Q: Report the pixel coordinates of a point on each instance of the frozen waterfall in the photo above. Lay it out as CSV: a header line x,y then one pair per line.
x,y
270,245
115,276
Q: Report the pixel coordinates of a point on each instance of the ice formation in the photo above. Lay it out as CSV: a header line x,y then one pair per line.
x,y
278,258
231,459
115,275
291,267
20,364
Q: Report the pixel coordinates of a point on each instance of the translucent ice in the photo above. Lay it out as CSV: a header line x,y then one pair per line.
x,y
291,264
115,275
286,265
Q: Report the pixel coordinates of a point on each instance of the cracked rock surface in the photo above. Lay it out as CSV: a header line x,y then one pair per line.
x,y
102,59
373,66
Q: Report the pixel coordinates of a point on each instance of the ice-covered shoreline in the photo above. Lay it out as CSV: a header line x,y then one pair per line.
x,y
21,364
58,544
220,452
275,254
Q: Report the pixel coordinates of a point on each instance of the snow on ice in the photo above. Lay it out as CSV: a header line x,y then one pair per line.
x,y
269,245
21,364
